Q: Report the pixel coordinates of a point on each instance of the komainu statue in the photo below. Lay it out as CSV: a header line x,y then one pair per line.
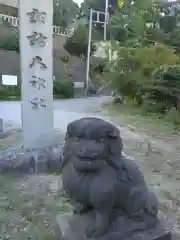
x,y
104,184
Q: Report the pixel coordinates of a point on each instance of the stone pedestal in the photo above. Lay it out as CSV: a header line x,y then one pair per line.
x,y
27,161
74,228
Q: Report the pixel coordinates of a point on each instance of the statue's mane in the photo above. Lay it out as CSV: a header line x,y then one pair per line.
x,y
92,128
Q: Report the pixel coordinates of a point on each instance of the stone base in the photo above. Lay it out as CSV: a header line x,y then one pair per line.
x,y
28,161
122,229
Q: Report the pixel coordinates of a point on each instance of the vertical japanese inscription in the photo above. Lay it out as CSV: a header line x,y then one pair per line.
x,y
38,60
38,82
36,43
36,16
38,102
37,39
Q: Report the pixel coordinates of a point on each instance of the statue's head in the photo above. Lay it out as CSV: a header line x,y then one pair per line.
x,y
92,138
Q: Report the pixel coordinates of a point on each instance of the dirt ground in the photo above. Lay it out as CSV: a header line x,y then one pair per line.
x,y
29,206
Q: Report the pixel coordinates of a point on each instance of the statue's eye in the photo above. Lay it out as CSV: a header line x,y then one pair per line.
x,y
68,134
101,140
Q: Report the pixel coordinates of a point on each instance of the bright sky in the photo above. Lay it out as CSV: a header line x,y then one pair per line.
x,y
78,1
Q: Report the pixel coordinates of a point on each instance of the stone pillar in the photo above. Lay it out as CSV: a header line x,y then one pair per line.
x,y
36,29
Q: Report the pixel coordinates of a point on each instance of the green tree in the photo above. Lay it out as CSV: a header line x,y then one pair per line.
x,y
10,40
132,20
65,12
98,5
77,44
147,23
133,74
164,91
147,68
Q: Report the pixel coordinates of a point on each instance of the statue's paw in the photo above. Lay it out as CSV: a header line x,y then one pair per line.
x,y
90,231
95,232
99,233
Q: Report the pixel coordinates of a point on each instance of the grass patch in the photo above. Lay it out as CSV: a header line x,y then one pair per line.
x,y
65,208
28,210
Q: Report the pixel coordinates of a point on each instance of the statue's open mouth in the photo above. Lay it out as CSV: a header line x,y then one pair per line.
x,y
89,159
89,156
88,165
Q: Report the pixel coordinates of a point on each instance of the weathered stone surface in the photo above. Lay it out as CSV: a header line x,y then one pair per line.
x,y
19,160
114,200
75,229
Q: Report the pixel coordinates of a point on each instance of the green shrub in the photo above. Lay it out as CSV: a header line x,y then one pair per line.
x,y
153,107
63,89
3,94
149,75
10,92
165,87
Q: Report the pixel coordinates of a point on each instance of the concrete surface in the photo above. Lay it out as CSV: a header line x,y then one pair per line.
x,y
64,111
